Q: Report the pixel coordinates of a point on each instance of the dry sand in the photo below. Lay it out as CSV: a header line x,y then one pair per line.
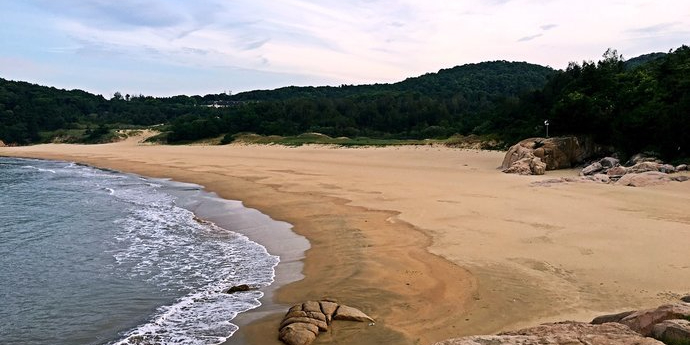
x,y
435,242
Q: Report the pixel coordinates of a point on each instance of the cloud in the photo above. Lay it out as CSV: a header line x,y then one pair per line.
x,y
529,38
548,27
654,29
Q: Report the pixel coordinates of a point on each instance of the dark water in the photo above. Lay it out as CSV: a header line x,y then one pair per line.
x,y
89,256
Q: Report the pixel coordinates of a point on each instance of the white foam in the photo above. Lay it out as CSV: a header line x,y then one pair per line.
x,y
163,244
39,169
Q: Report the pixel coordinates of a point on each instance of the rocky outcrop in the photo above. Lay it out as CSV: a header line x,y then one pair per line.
x,y
643,321
571,333
239,288
672,331
527,166
649,178
554,153
303,322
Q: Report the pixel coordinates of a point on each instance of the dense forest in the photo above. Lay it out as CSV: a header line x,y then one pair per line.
x,y
636,105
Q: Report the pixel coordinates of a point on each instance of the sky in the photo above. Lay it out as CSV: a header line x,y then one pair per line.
x,y
172,47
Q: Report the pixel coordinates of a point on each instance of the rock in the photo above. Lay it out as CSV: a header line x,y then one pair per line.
x,y
570,333
303,322
556,153
641,157
611,317
681,178
297,307
527,166
685,299
520,167
609,162
537,166
644,167
682,167
672,331
303,326
2,144
644,179
310,314
239,288
599,178
592,169
311,306
667,168
323,327
297,334
643,321
351,314
617,171
328,309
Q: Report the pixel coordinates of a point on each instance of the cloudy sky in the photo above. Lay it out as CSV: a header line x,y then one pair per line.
x,y
169,47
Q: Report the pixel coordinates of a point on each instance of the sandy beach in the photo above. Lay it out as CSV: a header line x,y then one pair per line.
x,y
434,242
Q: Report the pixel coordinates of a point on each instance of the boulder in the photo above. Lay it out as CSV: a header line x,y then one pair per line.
x,y
644,167
239,288
649,178
555,153
682,167
643,321
609,162
685,299
641,157
617,171
570,333
310,314
592,169
351,314
611,317
304,321
297,334
599,178
527,166
328,309
323,327
311,306
2,144
672,331
667,168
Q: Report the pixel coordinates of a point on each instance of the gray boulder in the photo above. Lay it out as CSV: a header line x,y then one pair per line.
x,y
682,167
609,162
672,331
667,168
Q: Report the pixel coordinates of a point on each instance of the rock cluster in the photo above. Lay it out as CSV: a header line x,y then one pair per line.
x,y
536,155
667,324
643,171
303,322
571,333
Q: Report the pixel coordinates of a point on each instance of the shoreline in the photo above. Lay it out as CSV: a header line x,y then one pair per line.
x,y
434,243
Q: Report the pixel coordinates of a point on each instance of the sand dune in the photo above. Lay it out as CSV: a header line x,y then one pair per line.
x,y
436,242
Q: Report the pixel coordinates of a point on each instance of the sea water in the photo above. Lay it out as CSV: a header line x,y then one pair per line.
x,y
90,256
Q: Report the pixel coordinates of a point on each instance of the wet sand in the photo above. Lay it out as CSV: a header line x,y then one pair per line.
x,y
430,241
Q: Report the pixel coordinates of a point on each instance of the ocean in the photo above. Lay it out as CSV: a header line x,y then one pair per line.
x,y
91,256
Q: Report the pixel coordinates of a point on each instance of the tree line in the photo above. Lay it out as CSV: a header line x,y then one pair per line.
x,y
635,105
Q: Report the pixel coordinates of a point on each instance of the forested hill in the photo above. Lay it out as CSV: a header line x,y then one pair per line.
x,y
636,105
485,79
442,103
